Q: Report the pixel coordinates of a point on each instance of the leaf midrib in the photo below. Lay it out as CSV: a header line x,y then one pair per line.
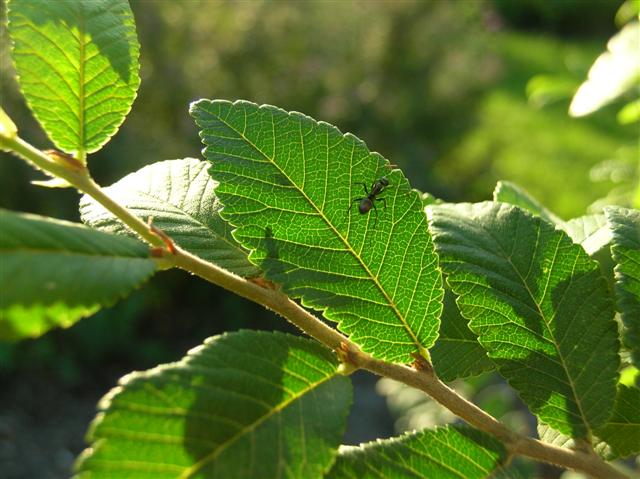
x,y
374,278
81,80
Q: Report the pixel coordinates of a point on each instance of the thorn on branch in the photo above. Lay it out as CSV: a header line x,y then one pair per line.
x,y
263,283
168,242
64,159
420,363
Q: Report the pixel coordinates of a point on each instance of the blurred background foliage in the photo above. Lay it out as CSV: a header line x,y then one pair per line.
x,y
438,87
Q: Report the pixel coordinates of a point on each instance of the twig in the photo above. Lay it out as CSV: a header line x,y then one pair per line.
x,y
421,377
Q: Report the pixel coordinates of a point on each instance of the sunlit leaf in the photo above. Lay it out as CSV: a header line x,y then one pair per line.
x,y
625,225
243,405
448,452
540,307
77,65
178,195
613,73
288,184
54,272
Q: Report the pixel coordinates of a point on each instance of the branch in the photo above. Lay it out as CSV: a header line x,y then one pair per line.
x,y
422,377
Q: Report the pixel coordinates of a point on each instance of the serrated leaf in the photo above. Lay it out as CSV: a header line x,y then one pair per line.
x,y
509,192
540,307
77,65
447,452
179,195
243,405
55,272
457,352
625,248
287,183
622,431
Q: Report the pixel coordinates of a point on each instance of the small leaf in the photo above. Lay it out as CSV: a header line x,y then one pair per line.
x,y
55,272
243,405
179,195
457,352
77,64
540,307
622,431
625,248
448,452
511,193
289,183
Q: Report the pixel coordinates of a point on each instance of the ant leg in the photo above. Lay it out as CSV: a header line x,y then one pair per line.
x,y
384,200
375,223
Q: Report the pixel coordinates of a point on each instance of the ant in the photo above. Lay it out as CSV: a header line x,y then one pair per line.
x,y
367,202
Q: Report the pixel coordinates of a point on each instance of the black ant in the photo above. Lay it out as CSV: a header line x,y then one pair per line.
x,y
368,202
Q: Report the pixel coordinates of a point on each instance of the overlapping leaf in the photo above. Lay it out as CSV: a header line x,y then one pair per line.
x,y
77,63
178,195
619,437
450,452
622,431
509,192
540,307
287,183
243,405
457,352
53,273
625,248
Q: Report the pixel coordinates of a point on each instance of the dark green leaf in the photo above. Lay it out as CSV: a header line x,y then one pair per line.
x,y
179,195
457,352
540,307
54,272
625,248
287,183
77,64
243,405
453,452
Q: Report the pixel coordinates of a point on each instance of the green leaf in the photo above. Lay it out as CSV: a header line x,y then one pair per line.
x,y
448,452
287,183
625,248
179,195
509,192
243,405
622,431
77,63
55,272
618,438
540,307
457,352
